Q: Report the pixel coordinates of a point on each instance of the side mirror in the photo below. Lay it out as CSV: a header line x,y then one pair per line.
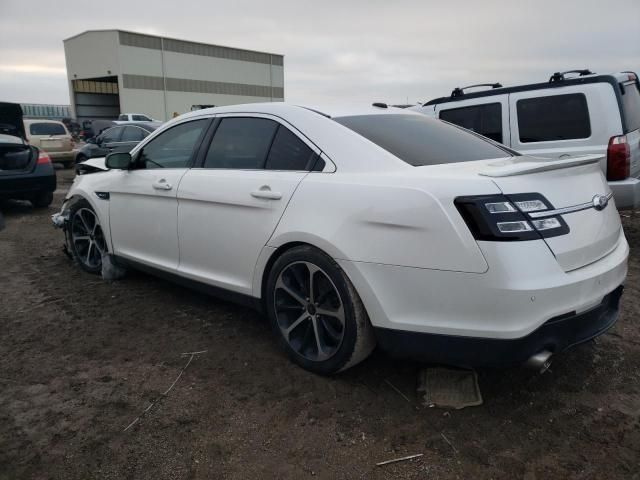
x,y
118,161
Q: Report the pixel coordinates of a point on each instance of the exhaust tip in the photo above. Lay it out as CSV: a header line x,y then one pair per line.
x,y
540,361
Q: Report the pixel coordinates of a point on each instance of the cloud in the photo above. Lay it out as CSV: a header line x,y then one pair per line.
x,y
344,51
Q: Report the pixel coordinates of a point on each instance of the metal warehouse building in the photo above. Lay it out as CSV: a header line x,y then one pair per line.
x,y
114,71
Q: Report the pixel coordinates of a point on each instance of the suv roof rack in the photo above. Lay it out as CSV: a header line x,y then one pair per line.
x,y
457,92
559,76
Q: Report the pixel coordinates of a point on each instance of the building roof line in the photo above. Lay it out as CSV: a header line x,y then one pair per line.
x,y
170,38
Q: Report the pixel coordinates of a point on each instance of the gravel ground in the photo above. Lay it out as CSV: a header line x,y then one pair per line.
x,y
81,359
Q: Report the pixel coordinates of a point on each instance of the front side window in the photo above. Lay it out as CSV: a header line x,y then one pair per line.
x,y
173,148
552,118
132,134
483,119
241,143
419,140
47,129
288,152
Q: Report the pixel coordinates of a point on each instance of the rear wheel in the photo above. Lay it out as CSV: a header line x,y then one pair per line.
x,y
315,312
42,199
86,239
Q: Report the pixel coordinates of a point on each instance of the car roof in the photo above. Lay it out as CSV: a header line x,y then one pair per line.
x,y
612,78
279,108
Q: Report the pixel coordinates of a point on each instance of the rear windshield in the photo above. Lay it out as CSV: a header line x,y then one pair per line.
x,y
47,129
631,106
420,140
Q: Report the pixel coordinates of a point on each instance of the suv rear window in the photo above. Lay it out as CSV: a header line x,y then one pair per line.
x,y
47,129
556,117
631,106
419,140
483,119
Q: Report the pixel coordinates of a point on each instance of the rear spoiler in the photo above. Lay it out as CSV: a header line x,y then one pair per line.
x,y
525,165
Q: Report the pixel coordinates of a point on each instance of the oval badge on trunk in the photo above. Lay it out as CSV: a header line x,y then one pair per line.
x,y
600,202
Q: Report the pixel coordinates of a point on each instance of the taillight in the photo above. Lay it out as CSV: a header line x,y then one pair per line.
x,y
618,158
43,158
506,218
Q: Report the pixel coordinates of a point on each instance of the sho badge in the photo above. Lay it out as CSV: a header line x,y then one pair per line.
x,y
600,202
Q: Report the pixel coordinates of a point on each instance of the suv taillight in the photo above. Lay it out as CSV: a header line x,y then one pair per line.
x,y
43,158
505,218
618,158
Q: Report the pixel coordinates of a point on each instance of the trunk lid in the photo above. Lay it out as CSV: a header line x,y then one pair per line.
x,y
16,157
11,120
51,137
574,182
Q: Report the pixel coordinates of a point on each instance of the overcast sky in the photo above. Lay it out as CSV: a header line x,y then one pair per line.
x,y
340,51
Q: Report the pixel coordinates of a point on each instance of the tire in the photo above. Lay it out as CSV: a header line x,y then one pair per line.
x,y
42,199
85,237
324,343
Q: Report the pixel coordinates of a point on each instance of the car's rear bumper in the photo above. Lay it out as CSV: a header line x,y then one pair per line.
x,y
555,335
523,288
42,179
626,193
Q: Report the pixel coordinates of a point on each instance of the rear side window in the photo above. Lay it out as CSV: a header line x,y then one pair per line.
x,y
288,152
47,129
132,134
241,143
111,135
419,140
483,119
123,117
552,118
140,118
631,106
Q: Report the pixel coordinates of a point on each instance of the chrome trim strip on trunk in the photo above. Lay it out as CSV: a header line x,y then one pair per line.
x,y
574,208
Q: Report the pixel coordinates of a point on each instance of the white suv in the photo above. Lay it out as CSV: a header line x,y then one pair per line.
x,y
134,117
566,116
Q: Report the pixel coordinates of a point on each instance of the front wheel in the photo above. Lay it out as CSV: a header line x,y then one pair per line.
x,y
86,239
316,313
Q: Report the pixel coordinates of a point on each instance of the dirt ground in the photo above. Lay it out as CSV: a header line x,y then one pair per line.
x,y
80,359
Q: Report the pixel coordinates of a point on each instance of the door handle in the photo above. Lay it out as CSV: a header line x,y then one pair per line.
x,y
161,185
265,192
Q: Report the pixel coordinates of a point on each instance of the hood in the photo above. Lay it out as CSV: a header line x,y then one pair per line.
x,y
93,165
11,120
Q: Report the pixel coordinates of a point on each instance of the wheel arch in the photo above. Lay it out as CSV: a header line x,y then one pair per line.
x,y
101,207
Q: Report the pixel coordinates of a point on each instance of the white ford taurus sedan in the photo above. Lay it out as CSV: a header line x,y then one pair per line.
x,y
352,228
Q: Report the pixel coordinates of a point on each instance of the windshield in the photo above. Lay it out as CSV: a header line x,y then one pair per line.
x,y
420,140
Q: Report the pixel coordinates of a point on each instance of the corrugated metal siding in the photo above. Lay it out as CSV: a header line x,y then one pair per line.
x,y
201,86
202,49
138,40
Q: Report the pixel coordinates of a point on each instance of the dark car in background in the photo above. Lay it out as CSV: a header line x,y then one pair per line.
x,y
121,138
26,172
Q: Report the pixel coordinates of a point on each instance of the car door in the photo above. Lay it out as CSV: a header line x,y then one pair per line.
x,y
229,206
143,204
488,116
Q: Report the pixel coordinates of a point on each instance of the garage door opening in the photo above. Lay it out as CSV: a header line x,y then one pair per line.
x,y
96,98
